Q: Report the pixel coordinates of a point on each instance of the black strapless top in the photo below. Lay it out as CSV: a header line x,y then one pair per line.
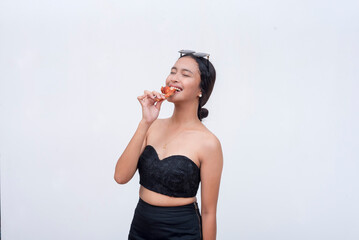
x,y
175,176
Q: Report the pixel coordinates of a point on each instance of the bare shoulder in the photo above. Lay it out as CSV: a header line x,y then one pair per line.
x,y
211,147
209,139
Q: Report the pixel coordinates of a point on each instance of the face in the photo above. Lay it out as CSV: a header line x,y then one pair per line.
x,y
186,76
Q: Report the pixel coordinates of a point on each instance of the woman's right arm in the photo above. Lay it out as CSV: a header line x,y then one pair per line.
x,y
127,163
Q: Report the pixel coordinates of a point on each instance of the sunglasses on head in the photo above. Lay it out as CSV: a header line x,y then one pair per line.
x,y
197,54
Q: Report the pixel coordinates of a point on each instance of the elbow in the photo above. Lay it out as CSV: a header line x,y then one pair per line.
x,y
121,180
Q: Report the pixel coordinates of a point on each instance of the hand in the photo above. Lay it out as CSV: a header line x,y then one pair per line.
x,y
150,107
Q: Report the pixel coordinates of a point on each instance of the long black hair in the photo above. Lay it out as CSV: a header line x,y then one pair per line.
x,y
208,78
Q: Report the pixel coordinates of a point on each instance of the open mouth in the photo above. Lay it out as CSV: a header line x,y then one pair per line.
x,y
177,89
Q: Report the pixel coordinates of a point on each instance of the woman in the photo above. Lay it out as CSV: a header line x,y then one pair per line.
x,y
173,155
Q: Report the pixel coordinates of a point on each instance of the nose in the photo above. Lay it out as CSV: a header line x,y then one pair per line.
x,y
174,78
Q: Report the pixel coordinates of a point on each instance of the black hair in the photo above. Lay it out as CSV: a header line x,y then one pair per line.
x,y
208,78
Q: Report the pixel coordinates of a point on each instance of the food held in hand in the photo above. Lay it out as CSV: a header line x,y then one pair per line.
x,y
167,91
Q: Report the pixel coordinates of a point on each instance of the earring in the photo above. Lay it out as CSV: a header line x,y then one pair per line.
x,y
200,95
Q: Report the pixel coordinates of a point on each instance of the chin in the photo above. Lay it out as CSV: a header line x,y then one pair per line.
x,y
176,98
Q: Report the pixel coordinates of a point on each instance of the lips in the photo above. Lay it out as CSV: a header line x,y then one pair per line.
x,y
178,89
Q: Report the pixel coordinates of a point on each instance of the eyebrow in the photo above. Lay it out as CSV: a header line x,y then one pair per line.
x,y
183,69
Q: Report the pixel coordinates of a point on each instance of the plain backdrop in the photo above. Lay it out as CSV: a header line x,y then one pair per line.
x,y
285,108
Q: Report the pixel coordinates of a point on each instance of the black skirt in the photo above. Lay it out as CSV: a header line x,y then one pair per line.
x,y
157,222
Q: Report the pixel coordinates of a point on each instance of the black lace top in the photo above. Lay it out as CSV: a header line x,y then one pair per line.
x,y
175,176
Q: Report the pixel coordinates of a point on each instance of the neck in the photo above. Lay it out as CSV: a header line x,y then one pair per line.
x,y
185,114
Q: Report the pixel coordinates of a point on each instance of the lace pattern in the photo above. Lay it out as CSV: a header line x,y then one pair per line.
x,y
175,176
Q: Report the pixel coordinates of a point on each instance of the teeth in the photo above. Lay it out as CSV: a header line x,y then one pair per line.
x,y
177,89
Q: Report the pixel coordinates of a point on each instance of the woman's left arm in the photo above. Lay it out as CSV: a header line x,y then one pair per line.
x,y
211,171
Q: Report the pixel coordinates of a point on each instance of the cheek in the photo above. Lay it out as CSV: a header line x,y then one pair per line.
x,y
167,81
193,87
196,84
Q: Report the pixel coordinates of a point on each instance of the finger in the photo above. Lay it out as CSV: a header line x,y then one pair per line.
x,y
159,99
149,94
157,94
141,97
158,104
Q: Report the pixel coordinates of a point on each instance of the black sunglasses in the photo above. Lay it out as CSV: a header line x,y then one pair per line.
x,y
197,54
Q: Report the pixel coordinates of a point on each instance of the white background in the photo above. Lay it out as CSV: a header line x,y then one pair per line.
x,y
284,106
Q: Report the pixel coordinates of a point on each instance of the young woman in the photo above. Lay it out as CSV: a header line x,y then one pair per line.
x,y
173,156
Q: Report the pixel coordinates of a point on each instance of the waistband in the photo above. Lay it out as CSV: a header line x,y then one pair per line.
x,y
190,205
